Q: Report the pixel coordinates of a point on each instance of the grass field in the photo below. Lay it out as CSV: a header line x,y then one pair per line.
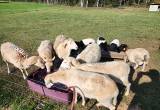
x,y
26,24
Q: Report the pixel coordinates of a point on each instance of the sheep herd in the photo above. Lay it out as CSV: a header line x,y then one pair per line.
x,y
82,66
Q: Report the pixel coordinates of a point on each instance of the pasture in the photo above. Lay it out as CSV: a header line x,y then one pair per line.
x,y
26,24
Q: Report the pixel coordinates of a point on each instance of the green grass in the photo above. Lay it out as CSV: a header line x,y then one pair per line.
x,y
26,24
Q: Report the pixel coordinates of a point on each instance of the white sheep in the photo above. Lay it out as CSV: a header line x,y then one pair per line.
x,y
138,56
87,84
16,56
46,52
119,70
91,54
64,46
59,39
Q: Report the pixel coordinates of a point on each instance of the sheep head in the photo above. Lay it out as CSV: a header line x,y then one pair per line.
x,y
101,40
70,44
34,60
69,62
49,64
64,48
116,41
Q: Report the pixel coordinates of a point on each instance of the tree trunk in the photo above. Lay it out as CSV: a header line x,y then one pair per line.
x,y
120,2
47,1
139,2
82,2
97,3
134,2
86,3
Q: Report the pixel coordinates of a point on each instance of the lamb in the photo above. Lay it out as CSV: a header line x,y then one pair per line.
x,y
118,70
63,46
46,52
91,54
104,48
15,55
88,84
102,43
114,45
81,46
138,56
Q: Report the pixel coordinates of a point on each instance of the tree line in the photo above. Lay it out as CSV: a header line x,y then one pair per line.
x,y
95,3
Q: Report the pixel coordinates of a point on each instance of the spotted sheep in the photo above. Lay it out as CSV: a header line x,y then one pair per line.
x,y
17,56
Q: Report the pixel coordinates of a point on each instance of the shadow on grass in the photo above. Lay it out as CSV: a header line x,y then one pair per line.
x,y
147,94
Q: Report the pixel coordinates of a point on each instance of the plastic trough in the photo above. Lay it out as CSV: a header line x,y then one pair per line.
x,y
58,92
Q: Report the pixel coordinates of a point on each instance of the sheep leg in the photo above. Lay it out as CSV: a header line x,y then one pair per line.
x,y
125,59
115,100
82,95
127,84
111,107
143,67
136,66
98,105
107,103
75,101
23,74
26,72
8,68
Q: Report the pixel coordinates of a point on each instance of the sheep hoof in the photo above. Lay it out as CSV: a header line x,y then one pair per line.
x,y
9,72
83,104
24,77
112,108
126,94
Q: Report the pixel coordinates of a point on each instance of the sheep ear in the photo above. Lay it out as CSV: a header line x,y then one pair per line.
x,y
65,45
53,58
72,64
75,63
40,59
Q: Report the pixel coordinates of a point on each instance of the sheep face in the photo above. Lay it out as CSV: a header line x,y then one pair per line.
x,y
116,41
71,44
48,66
40,63
123,47
101,40
69,63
